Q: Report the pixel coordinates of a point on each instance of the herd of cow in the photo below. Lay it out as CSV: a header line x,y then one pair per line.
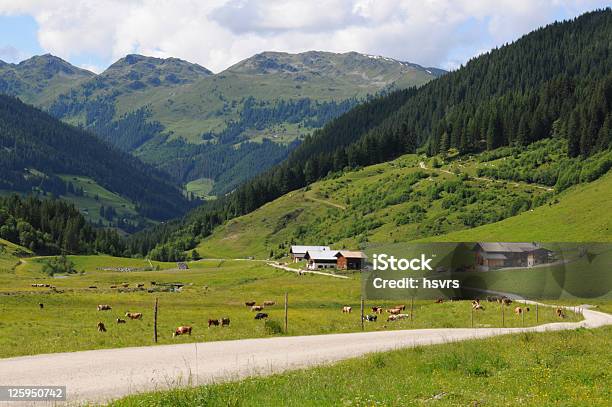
x,y
186,330
395,313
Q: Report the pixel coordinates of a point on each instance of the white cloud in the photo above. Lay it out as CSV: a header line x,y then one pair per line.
x,y
218,33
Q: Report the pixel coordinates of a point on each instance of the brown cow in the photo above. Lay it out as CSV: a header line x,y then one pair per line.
x,y
257,307
439,300
400,307
225,321
560,313
126,285
101,327
140,285
113,286
120,321
347,309
394,311
213,322
249,303
182,330
134,315
268,303
104,307
377,310
41,305
518,310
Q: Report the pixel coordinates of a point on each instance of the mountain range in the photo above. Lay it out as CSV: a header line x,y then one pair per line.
x,y
193,124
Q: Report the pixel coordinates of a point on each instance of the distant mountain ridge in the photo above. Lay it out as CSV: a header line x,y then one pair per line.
x,y
229,126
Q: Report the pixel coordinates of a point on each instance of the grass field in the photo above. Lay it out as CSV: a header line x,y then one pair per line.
x,y
213,289
582,214
568,368
201,187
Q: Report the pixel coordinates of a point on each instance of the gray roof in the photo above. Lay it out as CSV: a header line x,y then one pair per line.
x,y
304,249
321,255
499,247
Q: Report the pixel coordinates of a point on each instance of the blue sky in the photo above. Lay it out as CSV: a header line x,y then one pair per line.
x,y
218,33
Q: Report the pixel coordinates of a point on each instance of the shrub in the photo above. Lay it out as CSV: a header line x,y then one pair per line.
x,y
273,327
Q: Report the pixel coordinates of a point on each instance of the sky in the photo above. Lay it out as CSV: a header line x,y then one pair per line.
x,y
216,34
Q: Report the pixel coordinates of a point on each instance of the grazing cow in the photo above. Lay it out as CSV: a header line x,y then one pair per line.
x,y
268,303
120,321
225,321
257,307
505,301
377,310
394,311
477,306
395,317
560,313
182,330
261,315
113,286
347,310
439,300
518,310
93,286
140,285
104,307
493,299
213,322
41,305
249,303
134,315
401,307
101,327
153,283
370,318
126,285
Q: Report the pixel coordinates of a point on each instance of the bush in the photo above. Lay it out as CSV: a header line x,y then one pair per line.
x,y
59,265
273,327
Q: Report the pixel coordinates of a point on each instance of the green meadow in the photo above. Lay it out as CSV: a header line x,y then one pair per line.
x,y
212,289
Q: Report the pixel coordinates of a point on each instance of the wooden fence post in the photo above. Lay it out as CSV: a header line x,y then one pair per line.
x,y
537,316
362,327
523,316
155,321
286,311
502,312
411,307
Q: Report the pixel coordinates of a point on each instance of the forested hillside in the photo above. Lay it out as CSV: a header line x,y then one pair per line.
x,y
553,82
52,226
35,149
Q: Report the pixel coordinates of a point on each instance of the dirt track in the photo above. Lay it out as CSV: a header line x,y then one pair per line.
x,y
101,375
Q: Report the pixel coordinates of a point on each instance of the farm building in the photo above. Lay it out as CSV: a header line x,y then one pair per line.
x,y
321,259
350,260
298,253
497,255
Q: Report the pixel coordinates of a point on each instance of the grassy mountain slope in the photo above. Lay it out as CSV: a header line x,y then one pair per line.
x,y
395,201
10,253
414,197
40,79
582,214
36,149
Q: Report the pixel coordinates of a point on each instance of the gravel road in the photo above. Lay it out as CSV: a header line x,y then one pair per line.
x,y
101,375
